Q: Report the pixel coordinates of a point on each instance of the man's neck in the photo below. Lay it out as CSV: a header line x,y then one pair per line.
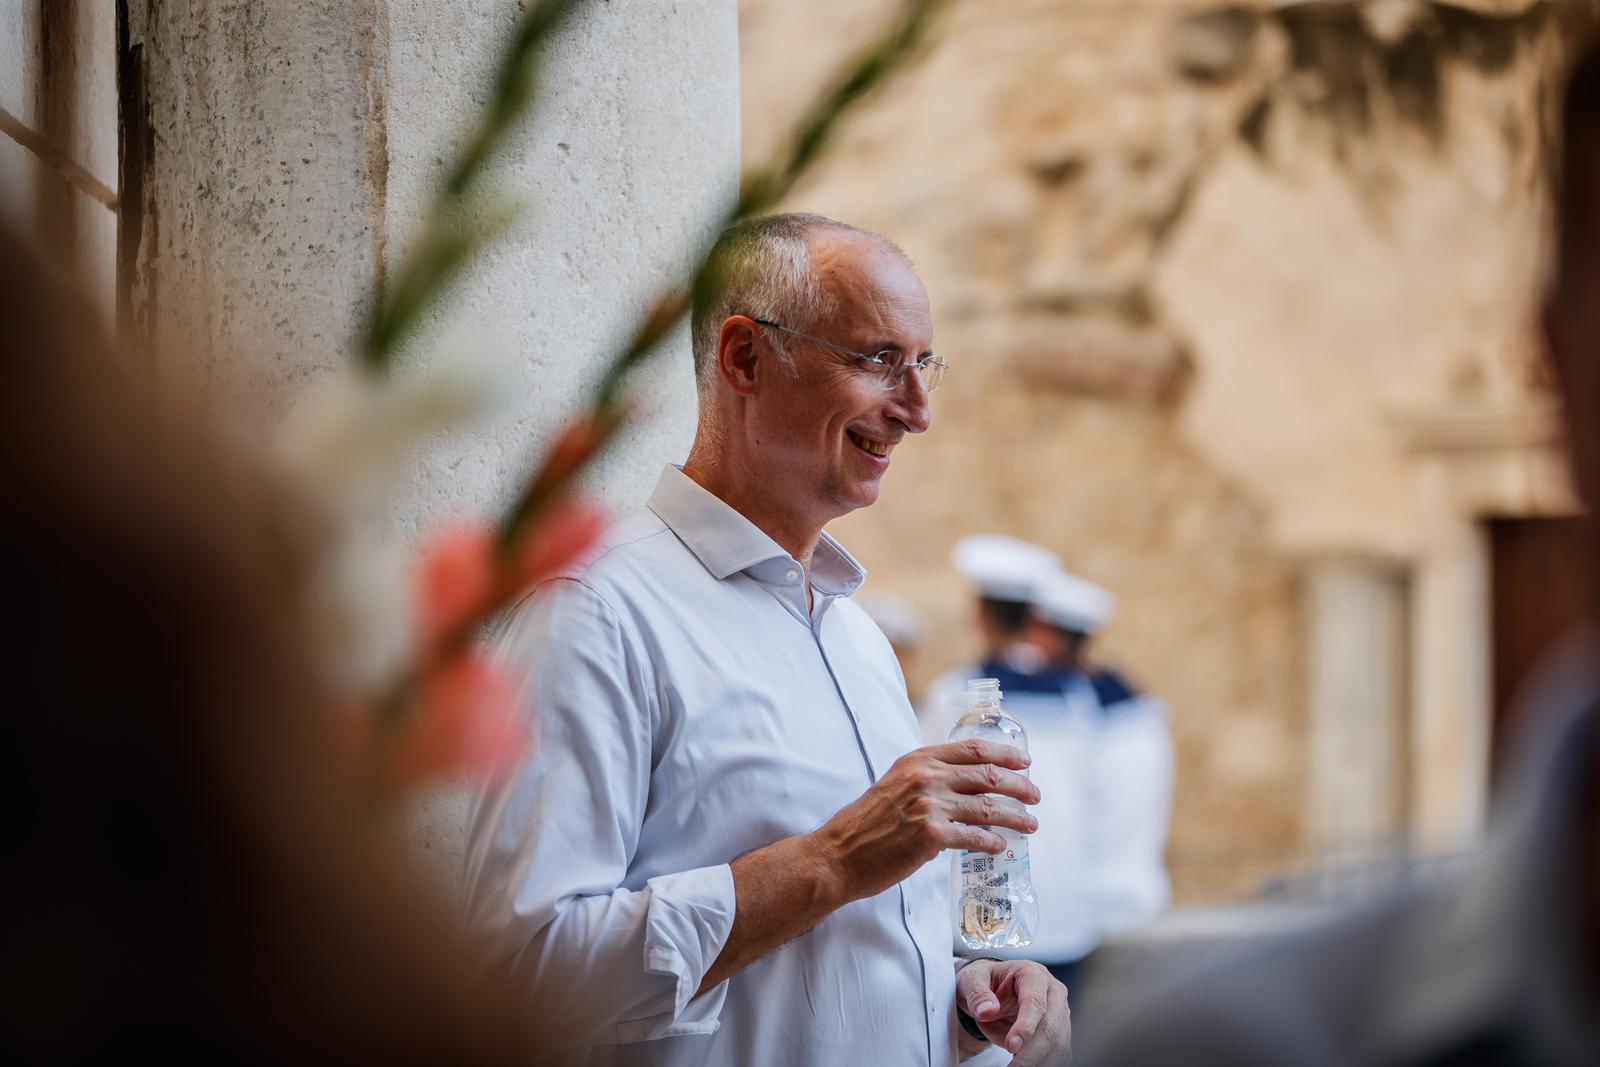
x,y
753,498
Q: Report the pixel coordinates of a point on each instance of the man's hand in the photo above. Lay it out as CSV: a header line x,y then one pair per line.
x,y
931,799
1019,1007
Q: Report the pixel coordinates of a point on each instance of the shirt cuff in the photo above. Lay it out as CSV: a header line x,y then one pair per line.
x,y
689,920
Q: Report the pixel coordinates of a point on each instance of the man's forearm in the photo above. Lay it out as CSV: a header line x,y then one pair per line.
x,y
780,891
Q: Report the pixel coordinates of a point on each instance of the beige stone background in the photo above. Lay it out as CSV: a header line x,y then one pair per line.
x,y
1238,301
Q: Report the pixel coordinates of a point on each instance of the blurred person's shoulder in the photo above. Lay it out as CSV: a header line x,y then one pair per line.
x,y
1309,995
1469,962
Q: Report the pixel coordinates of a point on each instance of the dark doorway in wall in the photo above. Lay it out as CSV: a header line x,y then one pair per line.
x,y
1534,601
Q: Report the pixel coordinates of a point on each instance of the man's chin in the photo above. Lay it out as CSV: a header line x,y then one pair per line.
x,y
863,494
849,494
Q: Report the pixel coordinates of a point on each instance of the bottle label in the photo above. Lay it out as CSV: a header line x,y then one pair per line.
x,y
988,903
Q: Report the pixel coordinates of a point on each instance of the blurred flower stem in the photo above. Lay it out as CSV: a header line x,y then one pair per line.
x,y
438,703
448,239
762,190
448,242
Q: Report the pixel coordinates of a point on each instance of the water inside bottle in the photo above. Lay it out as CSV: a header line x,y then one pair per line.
x,y
996,906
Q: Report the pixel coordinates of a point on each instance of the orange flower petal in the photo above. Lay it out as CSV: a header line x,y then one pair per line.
x,y
553,541
455,581
467,722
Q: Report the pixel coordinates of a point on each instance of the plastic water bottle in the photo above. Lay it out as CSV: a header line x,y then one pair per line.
x,y
995,907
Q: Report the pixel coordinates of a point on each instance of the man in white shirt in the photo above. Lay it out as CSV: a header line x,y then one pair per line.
x,y
718,850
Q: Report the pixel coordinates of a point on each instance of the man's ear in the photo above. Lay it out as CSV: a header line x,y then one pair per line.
x,y
738,354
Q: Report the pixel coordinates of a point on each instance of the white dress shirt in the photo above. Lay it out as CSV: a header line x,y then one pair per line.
x,y
689,707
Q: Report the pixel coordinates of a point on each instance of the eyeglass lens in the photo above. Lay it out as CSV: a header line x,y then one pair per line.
x,y
893,371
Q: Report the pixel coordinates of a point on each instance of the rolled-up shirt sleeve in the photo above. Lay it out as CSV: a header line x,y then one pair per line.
x,y
549,846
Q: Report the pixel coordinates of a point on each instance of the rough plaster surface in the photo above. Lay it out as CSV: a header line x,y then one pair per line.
x,y
296,147
262,222
1184,328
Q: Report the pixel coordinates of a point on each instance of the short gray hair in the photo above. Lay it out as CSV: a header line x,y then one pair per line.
x,y
761,267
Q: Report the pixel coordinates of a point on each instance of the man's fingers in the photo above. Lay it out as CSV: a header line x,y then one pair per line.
x,y
975,839
980,1001
988,778
975,751
1054,1033
987,811
1033,997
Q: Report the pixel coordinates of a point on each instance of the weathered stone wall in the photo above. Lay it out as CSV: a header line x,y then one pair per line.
x,y
1192,264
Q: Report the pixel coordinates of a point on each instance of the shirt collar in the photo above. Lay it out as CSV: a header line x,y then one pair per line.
x,y
727,543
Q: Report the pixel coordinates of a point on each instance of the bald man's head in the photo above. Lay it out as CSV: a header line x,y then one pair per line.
x,y
774,268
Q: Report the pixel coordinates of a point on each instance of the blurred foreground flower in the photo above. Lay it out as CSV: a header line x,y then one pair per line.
x,y
468,574
459,714
467,722
432,705
345,449
347,445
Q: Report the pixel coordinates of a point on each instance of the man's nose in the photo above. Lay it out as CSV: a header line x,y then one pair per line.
x,y
910,406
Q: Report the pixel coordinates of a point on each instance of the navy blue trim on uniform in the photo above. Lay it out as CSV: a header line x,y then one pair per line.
x,y
1014,681
1110,688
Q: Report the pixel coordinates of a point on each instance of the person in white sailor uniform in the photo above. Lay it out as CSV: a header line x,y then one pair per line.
x,y
1004,572
1103,758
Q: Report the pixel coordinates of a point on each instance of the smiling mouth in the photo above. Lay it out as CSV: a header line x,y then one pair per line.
x,y
871,447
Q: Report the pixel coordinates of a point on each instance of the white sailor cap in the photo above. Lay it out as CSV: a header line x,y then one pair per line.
x,y
1069,602
1003,568
894,615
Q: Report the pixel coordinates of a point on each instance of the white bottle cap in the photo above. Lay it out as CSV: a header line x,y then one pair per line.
x,y
984,687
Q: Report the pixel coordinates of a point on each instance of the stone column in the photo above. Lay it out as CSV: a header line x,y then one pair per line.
x,y
1450,727
1356,648
286,151
1500,459
254,219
